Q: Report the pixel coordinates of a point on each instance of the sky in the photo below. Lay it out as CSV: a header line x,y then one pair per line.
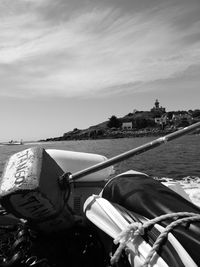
x,y
68,64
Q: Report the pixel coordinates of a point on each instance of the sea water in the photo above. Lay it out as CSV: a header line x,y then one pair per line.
x,y
178,159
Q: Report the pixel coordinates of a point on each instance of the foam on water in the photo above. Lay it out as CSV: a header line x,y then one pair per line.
x,y
190,184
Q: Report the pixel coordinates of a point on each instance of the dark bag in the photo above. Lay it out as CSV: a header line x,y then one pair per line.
x,y
143,195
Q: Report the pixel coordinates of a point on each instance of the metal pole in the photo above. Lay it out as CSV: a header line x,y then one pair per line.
x,y
133,152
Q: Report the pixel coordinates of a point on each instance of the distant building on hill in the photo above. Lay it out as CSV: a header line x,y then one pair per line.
x,y
157,108
182,118
162,121
127,125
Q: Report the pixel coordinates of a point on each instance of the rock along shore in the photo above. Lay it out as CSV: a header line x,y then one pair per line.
x,y
110,134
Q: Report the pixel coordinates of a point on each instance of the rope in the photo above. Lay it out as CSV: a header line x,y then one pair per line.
x,y
136,228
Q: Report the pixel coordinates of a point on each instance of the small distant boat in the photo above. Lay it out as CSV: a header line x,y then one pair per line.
x,y
11,142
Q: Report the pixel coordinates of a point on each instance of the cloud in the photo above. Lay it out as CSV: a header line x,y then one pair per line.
x,y
93,50
36,2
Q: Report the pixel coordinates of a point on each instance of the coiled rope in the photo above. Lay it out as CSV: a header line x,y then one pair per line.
x,y
136,228
15,245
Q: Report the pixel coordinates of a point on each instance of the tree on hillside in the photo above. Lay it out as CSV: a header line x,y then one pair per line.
x,y
114,122
196,113
170,115
141,122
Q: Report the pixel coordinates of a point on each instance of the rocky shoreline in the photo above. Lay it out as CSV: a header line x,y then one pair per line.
x,y
110,134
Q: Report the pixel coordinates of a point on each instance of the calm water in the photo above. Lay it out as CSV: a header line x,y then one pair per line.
x,y
178,159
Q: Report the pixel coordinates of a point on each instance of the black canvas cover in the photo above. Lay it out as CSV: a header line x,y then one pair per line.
x,y
143,195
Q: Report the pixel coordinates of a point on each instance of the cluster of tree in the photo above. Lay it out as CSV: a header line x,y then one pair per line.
x,y
140,123
114,122
195,113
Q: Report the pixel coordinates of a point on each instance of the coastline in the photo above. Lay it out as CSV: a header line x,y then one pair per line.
x,y
110,134
97,134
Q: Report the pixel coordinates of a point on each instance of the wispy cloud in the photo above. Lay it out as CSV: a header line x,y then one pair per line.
x,y
93,49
